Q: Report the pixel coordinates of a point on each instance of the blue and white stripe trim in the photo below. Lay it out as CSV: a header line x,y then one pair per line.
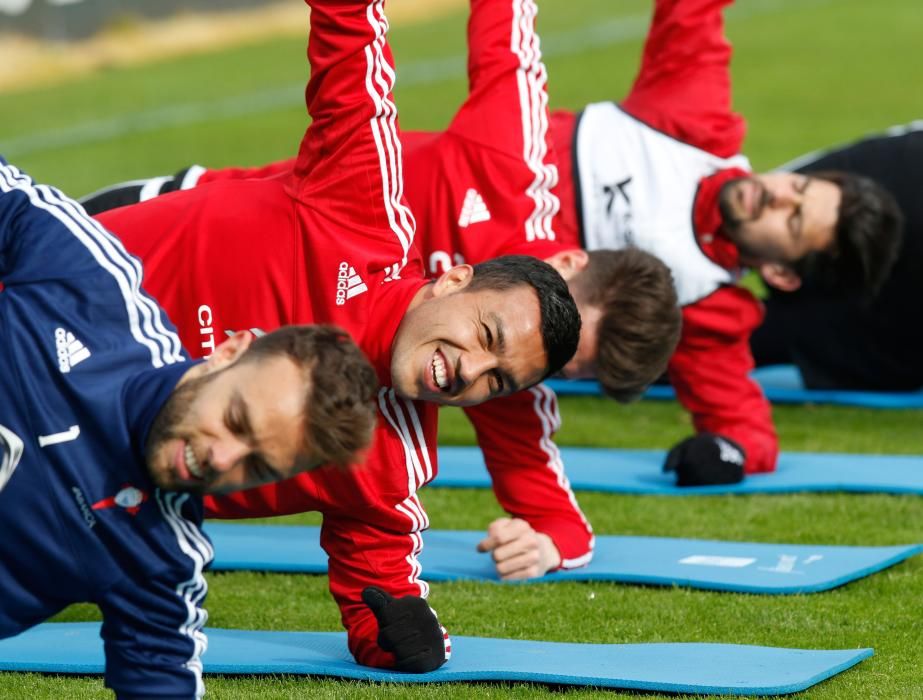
x,y
145,317
191,592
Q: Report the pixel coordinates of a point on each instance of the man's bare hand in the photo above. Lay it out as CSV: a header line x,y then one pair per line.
x,y
519,551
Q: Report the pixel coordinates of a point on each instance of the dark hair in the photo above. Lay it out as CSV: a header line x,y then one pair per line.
x,y
868,235
640,322
560,320
339,406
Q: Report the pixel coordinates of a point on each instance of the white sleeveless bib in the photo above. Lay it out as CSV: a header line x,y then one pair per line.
x,y
638,187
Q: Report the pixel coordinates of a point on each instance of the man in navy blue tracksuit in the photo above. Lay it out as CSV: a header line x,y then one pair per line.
x,y
108,434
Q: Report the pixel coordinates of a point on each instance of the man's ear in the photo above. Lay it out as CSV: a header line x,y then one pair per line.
x,y
228,352
569,263
453,280
782,277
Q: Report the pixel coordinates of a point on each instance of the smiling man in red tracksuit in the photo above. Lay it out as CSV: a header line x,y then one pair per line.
x,y
661,171
331,241
547,529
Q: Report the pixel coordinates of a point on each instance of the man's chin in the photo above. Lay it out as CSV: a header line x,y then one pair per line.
x,y
165,481
731,220
402,392
411,389
731,226
437,397
420,391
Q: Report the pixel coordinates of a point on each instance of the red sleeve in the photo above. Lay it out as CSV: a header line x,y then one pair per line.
x,y
684,85
373,530
378,547
506,78
349,167
362,555
360,552
500,135
710,372
515,434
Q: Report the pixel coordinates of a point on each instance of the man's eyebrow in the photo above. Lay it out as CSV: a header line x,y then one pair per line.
x,y
509,383
501,338
239,415
798,229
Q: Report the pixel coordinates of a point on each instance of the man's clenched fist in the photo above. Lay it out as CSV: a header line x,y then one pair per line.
x,y
706,459
519,551
409,629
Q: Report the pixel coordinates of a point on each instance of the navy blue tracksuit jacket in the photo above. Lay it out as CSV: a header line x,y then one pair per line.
x,y
86,361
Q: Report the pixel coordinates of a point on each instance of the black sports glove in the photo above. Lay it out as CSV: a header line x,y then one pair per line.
x,y
705,459
409,629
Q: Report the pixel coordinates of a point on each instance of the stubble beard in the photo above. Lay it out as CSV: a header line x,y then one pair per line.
x,y
164,428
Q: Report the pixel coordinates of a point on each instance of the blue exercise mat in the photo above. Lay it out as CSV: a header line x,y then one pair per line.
x,y
781,384
75,647
639,471
450,555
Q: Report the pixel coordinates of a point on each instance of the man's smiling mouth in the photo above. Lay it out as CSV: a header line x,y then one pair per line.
x,y
440,372
192,463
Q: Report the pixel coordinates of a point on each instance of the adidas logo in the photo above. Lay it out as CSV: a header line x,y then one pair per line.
x,y
70,350
474,211
349,284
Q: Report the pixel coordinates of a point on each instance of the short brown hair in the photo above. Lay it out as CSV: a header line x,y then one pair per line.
x,y
339,407
640,322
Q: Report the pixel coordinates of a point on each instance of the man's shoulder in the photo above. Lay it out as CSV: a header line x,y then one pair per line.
x,y
255,204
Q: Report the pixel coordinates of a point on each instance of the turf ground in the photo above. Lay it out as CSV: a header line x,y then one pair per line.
x,y
807,73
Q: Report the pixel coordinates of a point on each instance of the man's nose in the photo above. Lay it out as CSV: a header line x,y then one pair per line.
x,y
226,453
476,364
785,198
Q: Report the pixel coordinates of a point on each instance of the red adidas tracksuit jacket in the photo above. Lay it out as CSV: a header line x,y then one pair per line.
x,y
645,172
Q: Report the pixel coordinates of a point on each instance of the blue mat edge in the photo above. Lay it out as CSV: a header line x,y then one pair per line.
x,y
753,484
902,553
836,397
362,673
860,655
741,489
907,552
374,675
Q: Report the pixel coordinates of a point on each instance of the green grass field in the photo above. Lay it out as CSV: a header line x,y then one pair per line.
x,y
807,73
